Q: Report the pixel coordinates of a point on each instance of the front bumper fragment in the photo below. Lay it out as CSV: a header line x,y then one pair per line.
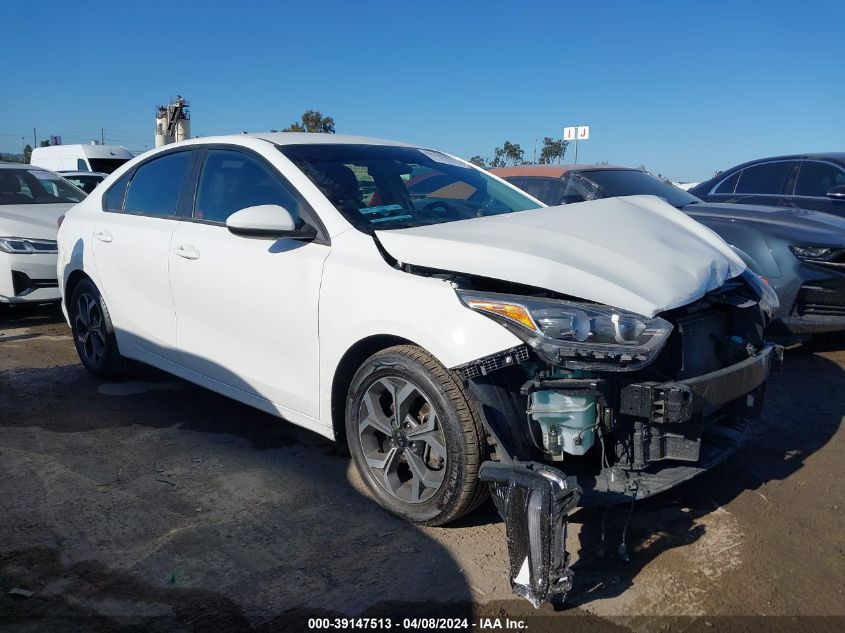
x,y
678,401
534,500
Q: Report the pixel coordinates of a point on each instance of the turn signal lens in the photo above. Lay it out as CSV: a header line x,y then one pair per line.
x,y
512,311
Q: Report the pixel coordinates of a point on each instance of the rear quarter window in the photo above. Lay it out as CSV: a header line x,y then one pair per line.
x,y
113,198
728,185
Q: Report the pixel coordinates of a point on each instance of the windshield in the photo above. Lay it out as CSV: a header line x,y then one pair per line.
x,y
106,165
36,186
384,187
607,183
84,182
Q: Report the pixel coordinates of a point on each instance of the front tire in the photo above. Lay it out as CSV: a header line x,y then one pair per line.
x,y
415,436
93,333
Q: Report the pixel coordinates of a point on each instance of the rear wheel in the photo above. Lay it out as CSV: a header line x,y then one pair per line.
x,y
93,333
415,436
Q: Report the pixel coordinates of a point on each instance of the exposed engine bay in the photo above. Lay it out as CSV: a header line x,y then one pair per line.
x,y
600,406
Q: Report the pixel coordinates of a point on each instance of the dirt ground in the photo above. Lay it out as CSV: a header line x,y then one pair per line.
x,y
150,504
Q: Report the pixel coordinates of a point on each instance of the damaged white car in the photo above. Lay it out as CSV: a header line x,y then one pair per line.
x,y
458,335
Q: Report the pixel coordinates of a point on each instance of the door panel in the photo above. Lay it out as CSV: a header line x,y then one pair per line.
x,y
131,253
247,312
131,244
246,308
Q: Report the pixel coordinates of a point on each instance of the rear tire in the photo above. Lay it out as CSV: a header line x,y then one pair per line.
x,y
93,333
420,459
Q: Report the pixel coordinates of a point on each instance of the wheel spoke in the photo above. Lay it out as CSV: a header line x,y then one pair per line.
x,y
433,439
429,478
418,429
388,475
375,418
379,460
403,395
82,310
97,347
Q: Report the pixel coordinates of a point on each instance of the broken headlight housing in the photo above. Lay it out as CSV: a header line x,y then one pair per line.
x,y
767,298
574,334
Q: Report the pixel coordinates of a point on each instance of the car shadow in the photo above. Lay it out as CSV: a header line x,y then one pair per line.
x,y
20,316
804,409
164,506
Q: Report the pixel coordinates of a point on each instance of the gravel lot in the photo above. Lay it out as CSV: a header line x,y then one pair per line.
x,y
151,504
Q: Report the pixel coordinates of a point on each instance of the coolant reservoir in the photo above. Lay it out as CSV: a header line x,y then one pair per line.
x,y
567,421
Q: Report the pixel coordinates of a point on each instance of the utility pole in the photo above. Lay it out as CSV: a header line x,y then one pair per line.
x,y
102,136
34,138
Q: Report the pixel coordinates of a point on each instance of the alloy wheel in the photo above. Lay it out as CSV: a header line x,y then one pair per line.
x,y
90,329
402,439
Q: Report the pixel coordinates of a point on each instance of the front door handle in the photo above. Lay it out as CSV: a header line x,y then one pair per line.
x,y
104,236
187,251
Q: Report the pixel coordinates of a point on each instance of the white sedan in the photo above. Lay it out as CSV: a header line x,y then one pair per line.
x,y
459,336
31,201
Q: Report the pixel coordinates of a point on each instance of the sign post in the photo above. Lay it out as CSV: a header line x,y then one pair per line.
x,y
579,132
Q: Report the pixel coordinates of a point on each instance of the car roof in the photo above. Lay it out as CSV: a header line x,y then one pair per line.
x,y
838,157
550,171
21,166
81,173
308,138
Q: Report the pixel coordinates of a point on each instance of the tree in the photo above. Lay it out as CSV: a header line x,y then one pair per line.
x,y
27,152
312,121
478,161
45,143
553,149
508,154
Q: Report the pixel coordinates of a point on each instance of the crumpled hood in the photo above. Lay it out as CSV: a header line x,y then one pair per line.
x,y
636,253
36,221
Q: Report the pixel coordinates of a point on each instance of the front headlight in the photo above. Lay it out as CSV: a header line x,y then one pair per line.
x,y
821,254
573,334
27,246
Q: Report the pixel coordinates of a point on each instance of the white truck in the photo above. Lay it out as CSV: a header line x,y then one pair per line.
x,y
92,157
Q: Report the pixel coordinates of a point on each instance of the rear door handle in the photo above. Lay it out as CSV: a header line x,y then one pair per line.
x,y
187,251
104,236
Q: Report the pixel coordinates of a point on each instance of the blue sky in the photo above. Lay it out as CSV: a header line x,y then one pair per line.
x,y
683,88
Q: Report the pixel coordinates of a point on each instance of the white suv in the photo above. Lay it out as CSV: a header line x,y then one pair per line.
x,y
456,333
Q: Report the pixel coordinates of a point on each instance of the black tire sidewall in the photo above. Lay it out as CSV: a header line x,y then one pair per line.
x,y
444,502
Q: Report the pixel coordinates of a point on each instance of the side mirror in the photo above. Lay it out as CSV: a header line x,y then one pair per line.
x,y
837,193
268,221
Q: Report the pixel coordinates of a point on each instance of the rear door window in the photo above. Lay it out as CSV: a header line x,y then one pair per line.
x,y
815,179
765,179
156,185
